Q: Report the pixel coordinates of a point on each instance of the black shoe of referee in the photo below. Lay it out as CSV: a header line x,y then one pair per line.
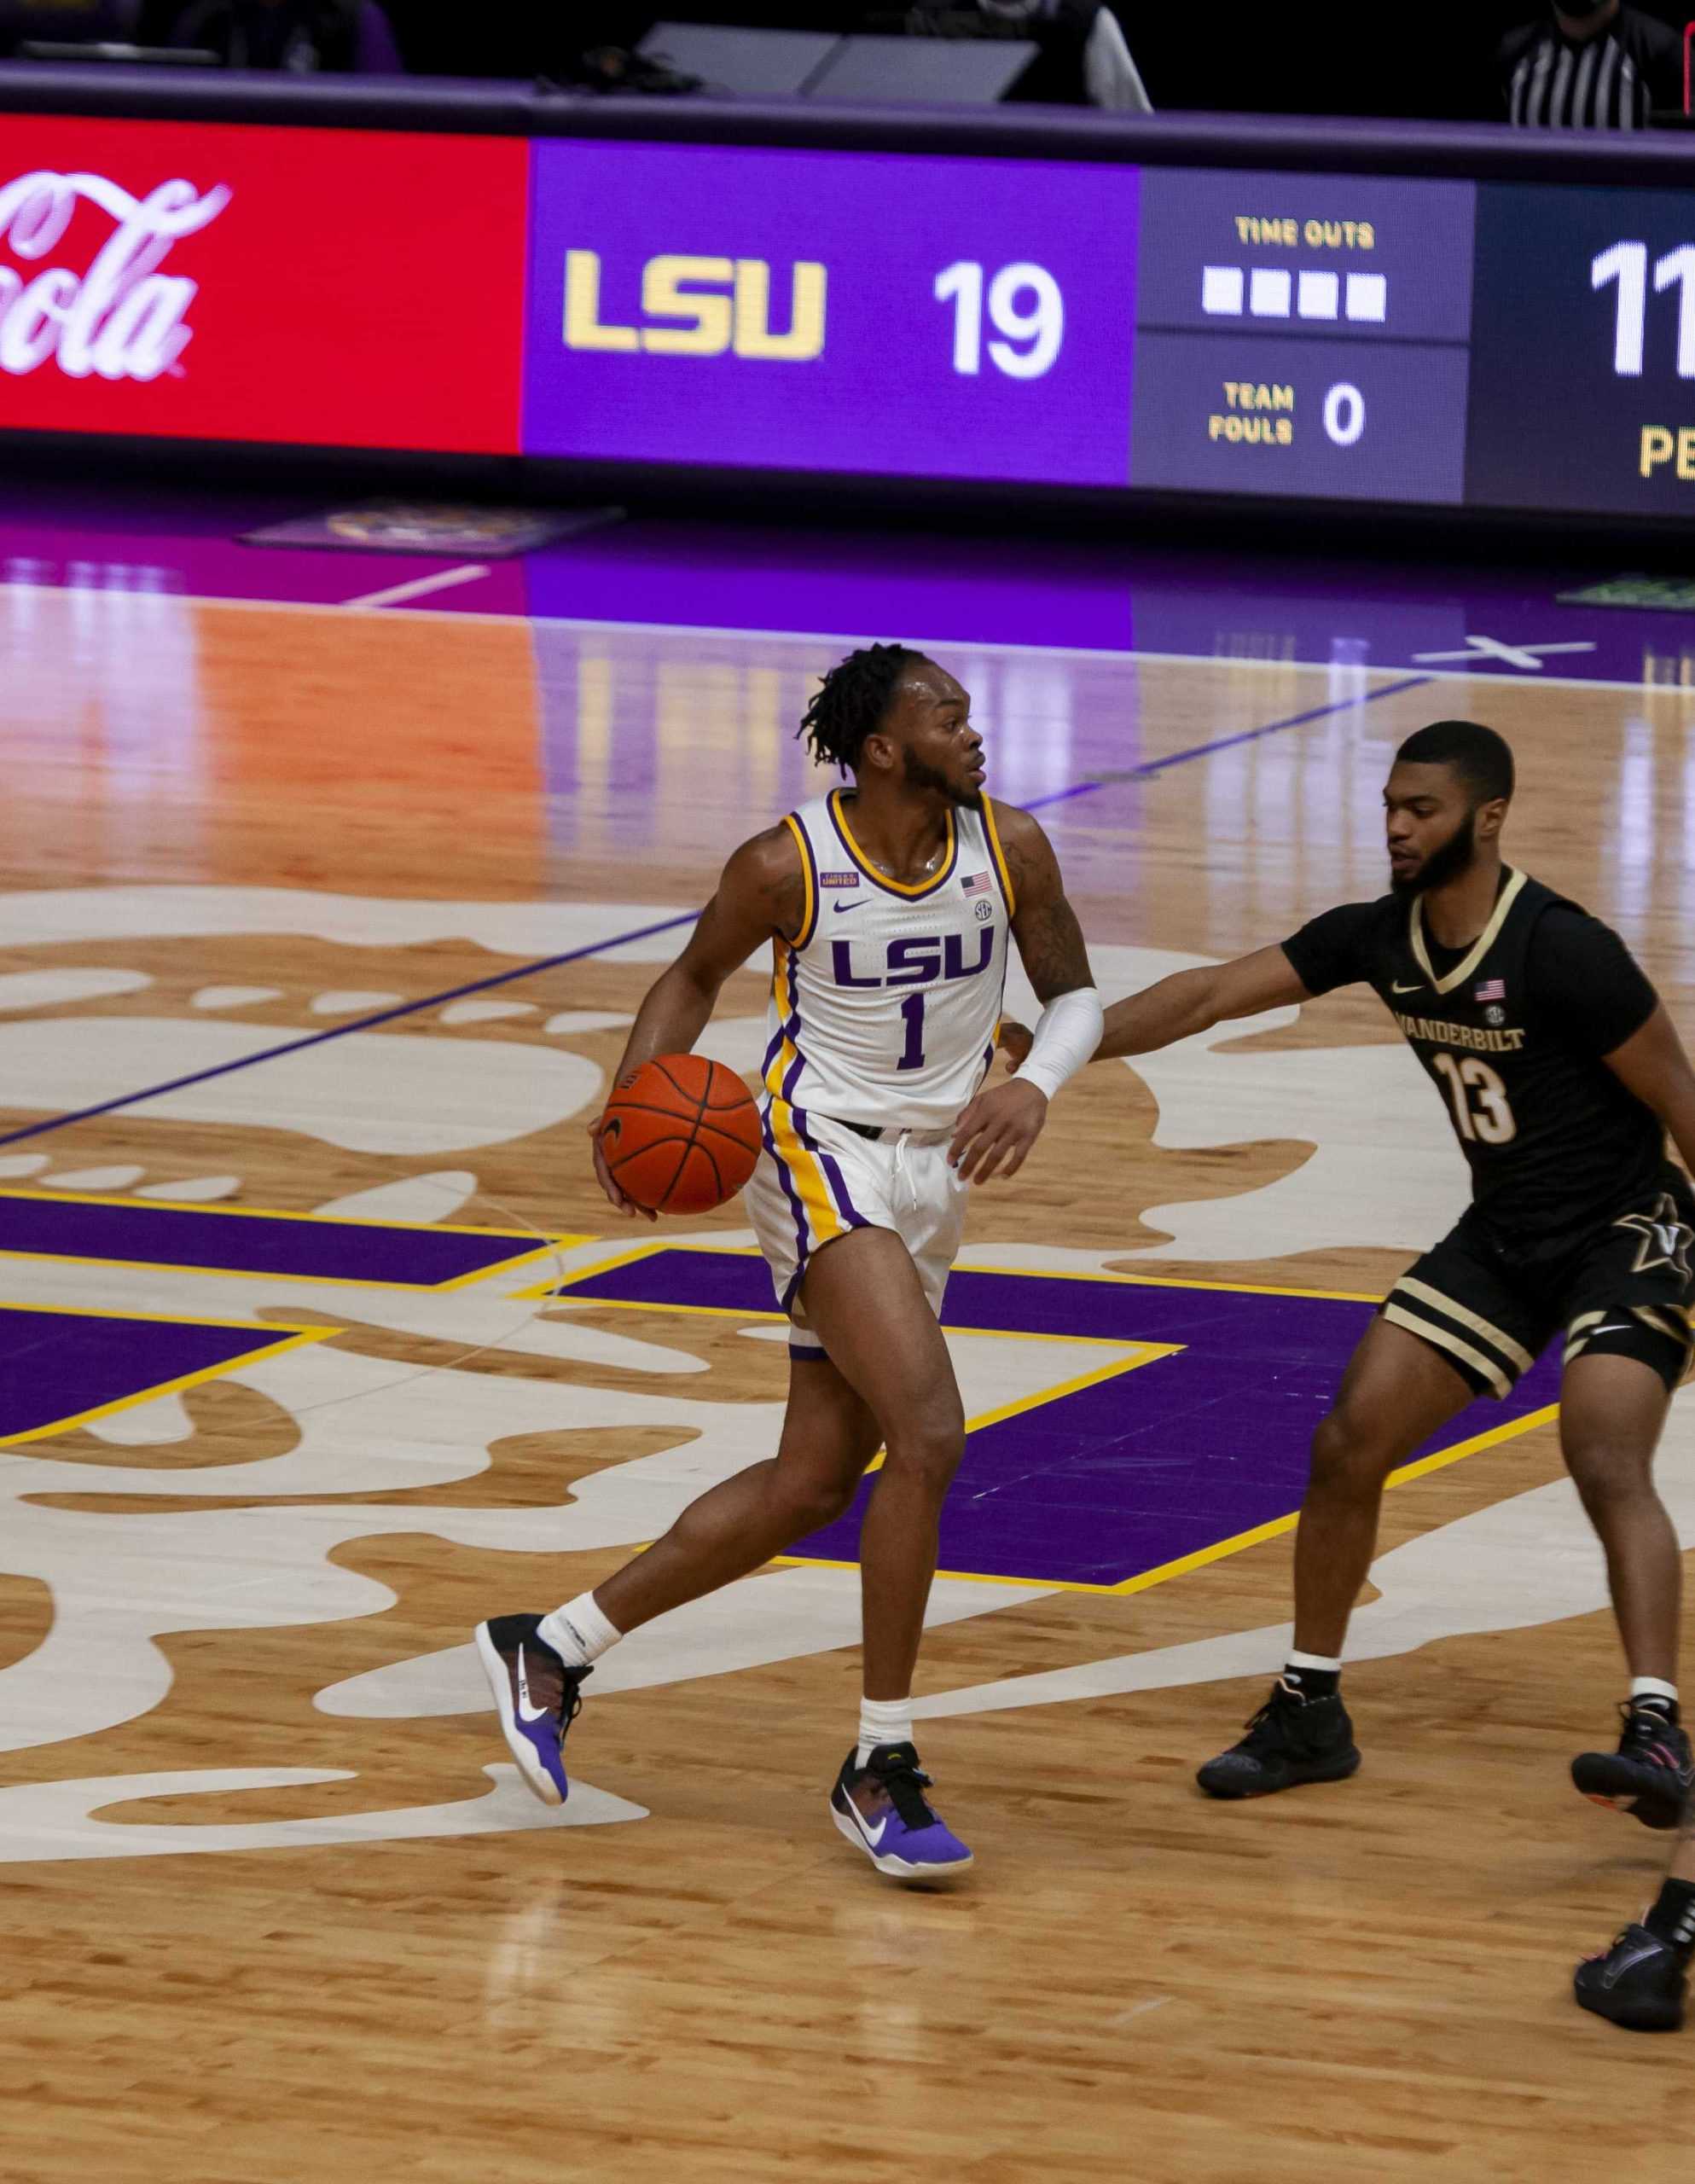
x,y
1290,1740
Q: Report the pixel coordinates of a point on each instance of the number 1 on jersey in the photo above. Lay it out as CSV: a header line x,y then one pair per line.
x,y
912,1014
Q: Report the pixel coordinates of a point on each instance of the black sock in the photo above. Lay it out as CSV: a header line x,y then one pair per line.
x,y
1673,1916
1313,1683
1654,1703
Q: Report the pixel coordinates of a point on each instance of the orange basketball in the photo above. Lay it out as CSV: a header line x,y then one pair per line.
x,y
679,1135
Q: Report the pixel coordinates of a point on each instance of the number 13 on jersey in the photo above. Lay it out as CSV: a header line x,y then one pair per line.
x,y
1482,1114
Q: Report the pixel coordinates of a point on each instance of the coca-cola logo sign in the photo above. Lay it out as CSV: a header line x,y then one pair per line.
x,y
119,318
228,282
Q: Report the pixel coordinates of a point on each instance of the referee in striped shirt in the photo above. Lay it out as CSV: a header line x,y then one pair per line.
x,y
1599,67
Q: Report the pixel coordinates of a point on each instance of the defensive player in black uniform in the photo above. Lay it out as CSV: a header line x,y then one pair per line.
x,y
1561,1073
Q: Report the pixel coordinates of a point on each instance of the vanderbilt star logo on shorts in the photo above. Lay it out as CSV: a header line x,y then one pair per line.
x,y
1665,1240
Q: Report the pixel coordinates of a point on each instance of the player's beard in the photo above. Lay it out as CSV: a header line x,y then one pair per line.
x,y
1450,861
918,776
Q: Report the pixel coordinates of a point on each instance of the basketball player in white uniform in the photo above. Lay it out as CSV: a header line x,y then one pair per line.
x,y
889,906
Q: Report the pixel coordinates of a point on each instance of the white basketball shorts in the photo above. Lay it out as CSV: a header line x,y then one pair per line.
x,y
817,1179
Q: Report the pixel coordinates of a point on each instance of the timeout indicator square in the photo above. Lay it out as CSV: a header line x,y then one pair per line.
x,y
778,309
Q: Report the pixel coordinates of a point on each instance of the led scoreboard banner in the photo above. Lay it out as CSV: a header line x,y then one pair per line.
x,y
810,311
1018,320
1583,386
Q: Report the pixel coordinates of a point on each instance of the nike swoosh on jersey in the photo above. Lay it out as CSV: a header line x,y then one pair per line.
x,y
526,1712
1395,986
842,908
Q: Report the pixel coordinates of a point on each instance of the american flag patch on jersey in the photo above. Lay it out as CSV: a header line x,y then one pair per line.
x,y
839,880
1491,990
975,883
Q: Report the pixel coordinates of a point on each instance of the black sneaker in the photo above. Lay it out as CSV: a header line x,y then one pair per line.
x,y
538,1698
1650,1774
1638,1982
1290,1741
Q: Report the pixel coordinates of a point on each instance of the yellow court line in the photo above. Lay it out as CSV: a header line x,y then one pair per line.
x,y
477,1273
267,1274
626,1255
1147,1353
168,1387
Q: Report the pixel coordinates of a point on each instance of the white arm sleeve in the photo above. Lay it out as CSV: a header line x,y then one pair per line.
x,y
1065,1039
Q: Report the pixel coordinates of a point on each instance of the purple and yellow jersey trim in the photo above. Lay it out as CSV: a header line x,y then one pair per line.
x,y
992,829
838,820
784,1060
809,877
814,1185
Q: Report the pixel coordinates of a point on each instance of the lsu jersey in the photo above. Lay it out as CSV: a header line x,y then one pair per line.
x,y
885,1005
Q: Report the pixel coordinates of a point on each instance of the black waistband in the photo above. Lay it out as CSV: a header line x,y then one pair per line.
x,y
860,1130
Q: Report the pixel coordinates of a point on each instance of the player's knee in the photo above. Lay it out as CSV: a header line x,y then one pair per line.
x,y
930,1446
1349,1450
1606,1475
810,1502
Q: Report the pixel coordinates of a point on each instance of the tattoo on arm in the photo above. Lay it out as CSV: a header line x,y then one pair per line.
x,y
1050,940
1055,958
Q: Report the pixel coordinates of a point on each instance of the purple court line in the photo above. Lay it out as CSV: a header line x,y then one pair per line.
x,y
1271,728
1063,795
341,1030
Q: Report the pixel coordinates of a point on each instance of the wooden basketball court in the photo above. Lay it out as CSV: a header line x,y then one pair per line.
x,y
300,1390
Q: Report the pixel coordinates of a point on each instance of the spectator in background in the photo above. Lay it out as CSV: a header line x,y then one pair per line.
x,y
301,38
1596,67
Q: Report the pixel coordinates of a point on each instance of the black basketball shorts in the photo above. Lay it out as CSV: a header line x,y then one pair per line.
x,y
1620,1287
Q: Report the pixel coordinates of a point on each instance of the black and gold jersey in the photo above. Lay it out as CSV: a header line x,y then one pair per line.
x,y
1513,1031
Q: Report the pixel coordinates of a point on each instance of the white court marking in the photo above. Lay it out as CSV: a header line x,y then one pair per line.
x,y
369,1092
192,1190
53,989
441,1196
354,1003
121,1580
418,588
234,996
44,1820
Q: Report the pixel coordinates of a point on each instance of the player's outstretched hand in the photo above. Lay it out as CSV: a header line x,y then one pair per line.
x,y
995,1132
1015,1041
603,1176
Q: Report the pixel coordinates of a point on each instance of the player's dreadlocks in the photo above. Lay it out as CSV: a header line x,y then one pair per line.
x,y
850,704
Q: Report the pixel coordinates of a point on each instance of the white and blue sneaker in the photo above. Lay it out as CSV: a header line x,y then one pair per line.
x,y
537,1697
881,1807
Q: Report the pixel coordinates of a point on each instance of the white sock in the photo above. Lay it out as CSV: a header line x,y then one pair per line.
x,y
1652,1686
883,1721
577,1632
1312,1661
